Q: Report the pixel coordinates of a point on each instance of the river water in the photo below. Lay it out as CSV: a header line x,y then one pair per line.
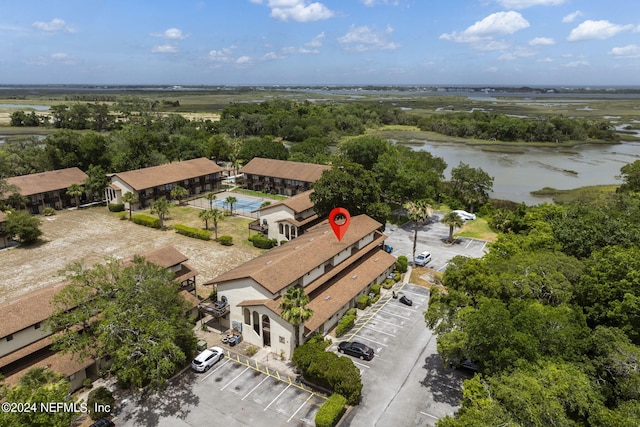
x,y
516,175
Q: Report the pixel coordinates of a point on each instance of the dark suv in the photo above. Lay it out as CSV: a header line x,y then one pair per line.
x,y
103,422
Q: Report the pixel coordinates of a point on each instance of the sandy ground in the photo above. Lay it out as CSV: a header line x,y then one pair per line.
x,y
92,236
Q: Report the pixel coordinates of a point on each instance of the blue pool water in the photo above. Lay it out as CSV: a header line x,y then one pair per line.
x,y
242,204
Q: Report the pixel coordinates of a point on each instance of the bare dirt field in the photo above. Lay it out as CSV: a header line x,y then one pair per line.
x,y
93,235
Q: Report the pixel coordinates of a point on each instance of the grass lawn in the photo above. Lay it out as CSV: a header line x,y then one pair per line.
x,y
477,229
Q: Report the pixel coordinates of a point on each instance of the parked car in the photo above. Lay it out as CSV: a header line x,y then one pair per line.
x,y
423,259
103,422
406,301
466,365
465,215
207,359
356,349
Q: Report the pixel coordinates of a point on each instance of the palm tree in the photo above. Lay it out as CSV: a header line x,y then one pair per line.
x,y
216,216
231,200
179,192
418,212
75,190
161,208
210,197
294,311
205,215
129,198
453,220
17,200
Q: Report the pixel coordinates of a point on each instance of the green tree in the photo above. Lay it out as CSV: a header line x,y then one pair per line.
x,y
216,216
23,226
418,212
206,215
18,201
453,220
630,174
294,310
96,182
364,150
265,147
161,208
178,192
471,185
75,191
130,199
39,386
231,201
211,197
142,323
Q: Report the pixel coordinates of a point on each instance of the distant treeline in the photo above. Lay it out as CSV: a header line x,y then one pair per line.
x,y
500,127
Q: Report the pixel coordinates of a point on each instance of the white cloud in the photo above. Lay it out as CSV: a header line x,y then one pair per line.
x,y
596,30
523,4
171,34
243,60
164,48
317,40
223,55
628,51
541,41
362,39
376,2
513,54
54,58
297,10
547,59
56,25
572,16
270,56
575,64
500,23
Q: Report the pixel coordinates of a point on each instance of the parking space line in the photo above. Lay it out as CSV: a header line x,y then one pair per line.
x,y
369,339
381,332
214,371
266,377
389,323
276,398
394,314
429,415
238,376
300,407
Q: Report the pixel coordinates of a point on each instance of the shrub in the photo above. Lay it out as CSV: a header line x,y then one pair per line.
x,y
363,302
146,220
102,396
196,233
402,264
226,240
116,207
375,289
387,284
397,276
252,350
351,312
123,216
48,211
374,299
345,324
259,241
331,411
87,382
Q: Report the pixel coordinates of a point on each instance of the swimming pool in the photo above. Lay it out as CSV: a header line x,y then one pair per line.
x,y
242,204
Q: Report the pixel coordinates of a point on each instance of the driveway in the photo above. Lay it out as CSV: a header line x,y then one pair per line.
x,y
432,237
405,383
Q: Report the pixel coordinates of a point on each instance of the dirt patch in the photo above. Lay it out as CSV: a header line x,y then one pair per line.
x,y
93,235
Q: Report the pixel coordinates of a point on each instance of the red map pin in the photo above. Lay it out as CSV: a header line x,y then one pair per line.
x,y
339,219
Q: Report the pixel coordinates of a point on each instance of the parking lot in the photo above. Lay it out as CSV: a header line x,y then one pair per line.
x,y
431,237
235,392
405,383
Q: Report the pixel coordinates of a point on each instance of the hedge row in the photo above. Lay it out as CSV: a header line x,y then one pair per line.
x,y
146,220
328,370
116,207
259,241
345,325
226,240
196,233
331,411
363,302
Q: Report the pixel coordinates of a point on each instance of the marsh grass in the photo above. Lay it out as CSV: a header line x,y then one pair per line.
x,y
592,194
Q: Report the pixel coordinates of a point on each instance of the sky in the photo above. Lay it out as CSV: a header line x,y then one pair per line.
x,y
327,42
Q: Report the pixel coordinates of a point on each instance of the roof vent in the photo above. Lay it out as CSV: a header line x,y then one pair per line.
x,y
327,298
297,247
312,239
355,276
325,232
269,262
376,260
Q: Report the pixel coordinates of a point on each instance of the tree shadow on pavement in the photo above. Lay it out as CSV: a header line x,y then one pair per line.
x,y
444,384
177,400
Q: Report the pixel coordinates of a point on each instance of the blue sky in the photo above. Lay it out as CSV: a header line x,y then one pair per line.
x,y
255,42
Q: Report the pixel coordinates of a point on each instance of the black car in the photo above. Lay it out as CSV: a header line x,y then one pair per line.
x,y
406,301
356,349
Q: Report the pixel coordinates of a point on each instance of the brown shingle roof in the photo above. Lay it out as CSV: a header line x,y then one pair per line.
x,y
141,179
27,310
298,171
166,256
298,203
279,267
66,364
43,182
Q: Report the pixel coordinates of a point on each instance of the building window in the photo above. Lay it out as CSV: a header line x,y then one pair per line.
x,y
9,337
37,325
281,339
72,377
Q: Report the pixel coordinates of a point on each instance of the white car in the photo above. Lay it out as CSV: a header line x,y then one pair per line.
x,y
465,215
423,259
207,359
